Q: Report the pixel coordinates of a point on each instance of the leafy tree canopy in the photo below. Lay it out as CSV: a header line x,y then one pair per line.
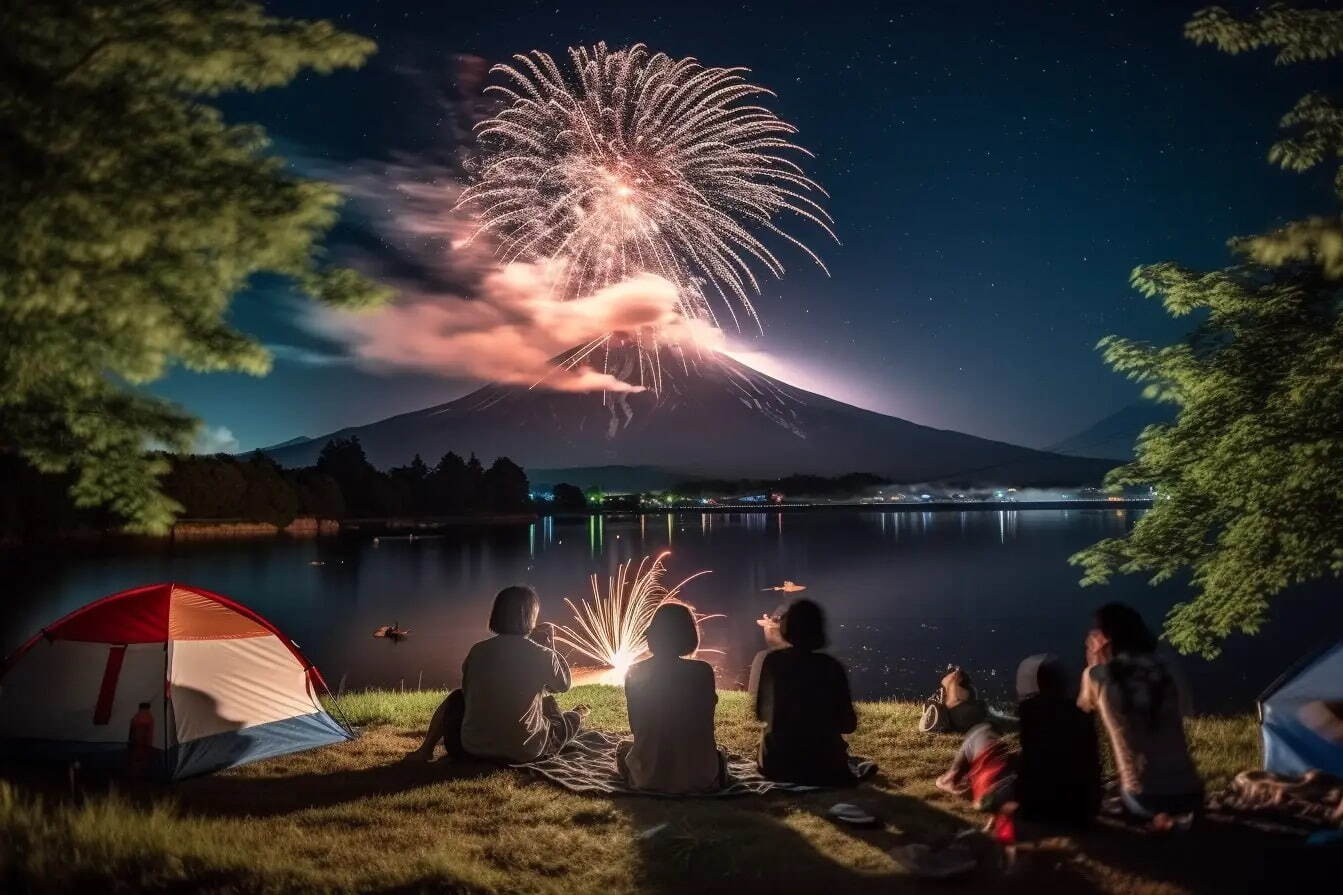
x,y
1314,125
133,213
1249,477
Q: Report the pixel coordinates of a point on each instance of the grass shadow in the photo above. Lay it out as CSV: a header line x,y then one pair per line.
x,y
254,796
368,767
785,842
1216,855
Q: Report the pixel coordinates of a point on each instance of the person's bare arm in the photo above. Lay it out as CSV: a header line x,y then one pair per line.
x,y
559,678
1088,694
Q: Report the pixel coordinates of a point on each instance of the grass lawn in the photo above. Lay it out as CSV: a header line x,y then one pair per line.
x,y
350,818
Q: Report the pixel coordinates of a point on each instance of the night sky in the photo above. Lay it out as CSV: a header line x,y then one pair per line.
x,y
996,172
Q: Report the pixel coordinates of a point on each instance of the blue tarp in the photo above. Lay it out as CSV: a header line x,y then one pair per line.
x,y
226,750
1301,716
195,757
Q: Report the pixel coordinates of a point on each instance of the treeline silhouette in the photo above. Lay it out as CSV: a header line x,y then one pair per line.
x,y
451,487
796,485
254,488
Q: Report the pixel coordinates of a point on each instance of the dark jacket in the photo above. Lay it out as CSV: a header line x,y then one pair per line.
x,y
803,698
1058,775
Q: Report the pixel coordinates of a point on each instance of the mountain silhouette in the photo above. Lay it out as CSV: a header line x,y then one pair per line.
x,y
1115,436
709,415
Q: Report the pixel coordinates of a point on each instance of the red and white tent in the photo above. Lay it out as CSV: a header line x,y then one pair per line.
x,y
225,687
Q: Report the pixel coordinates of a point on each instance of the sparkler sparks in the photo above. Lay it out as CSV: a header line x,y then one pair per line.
x,y
610,629
637,163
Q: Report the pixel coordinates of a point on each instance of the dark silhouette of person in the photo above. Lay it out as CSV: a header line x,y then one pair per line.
x,y
1058,771
804,700
671,703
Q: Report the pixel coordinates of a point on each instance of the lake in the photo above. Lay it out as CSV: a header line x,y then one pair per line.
x,y
907,592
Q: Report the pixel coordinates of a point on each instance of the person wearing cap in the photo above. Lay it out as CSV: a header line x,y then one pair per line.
x,y
1054,777
1058,774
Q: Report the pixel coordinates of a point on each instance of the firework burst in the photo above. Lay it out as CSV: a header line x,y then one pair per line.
x,y
610,629
638,163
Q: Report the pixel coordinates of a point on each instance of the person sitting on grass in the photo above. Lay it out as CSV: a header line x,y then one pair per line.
x,y
1058,773
985,769
1136,695
504,709
803,698
671,703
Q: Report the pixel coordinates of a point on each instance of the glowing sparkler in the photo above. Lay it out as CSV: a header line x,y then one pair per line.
x,y
610,628
637,163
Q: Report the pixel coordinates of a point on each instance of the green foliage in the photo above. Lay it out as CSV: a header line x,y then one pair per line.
x,y
568,497
451,488
367,491
505,486
1314,125
1249,477
1298,34
133,213
253,489
796,485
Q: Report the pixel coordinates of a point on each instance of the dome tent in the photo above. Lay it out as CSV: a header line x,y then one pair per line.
x,y
225,687
1301,716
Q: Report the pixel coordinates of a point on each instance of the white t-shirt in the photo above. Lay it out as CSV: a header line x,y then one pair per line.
x,y
504,679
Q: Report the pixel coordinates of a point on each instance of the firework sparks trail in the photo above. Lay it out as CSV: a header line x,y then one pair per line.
x,y
638,163
610,629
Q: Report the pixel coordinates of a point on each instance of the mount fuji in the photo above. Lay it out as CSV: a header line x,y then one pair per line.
x,y
710,416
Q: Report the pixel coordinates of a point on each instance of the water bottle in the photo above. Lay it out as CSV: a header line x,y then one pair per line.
x,y
140,745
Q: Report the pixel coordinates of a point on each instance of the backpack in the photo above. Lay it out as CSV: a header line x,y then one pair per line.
x,y
936,716
970,710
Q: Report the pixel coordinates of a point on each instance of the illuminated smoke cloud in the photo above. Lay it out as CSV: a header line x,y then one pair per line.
x,y
512,328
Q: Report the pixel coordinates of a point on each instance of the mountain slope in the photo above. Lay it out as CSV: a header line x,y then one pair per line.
x,y
710,416
1115,436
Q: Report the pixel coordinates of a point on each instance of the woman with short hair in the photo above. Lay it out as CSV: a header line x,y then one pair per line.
x,y
504,709
804,700
671,702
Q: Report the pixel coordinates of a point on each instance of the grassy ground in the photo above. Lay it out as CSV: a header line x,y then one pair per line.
x,y
350,818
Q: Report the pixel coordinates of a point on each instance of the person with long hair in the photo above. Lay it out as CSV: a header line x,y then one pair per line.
x,y
803,698
505,709
671,702
1135,692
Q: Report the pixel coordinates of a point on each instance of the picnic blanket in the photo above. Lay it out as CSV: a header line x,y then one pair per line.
x,y
587,764
1309,802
